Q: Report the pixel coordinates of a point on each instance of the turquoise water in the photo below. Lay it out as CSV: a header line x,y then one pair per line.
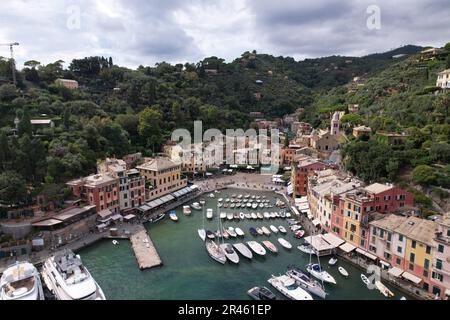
x,y
189,273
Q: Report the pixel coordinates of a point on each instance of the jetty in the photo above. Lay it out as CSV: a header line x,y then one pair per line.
x,y
144,250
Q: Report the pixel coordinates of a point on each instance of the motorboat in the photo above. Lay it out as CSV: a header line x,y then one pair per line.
x,y
202,202
332,261
220,200
225,205
260,232
202,234
236,216
173,216
343,271
243,250
238,205
265,231
242,216
403,298
225,234
249,205
220,205
68,279
277,215
282,229
288,215
254,216
215,252
289,288
247,196
270,246
273,229
306,249
229,252
247,215
159,217
266,215
282,214
383,289
210,234
21,281
257,248
299,234
229,216
231,232
211,195
306,282
261,293
365,279
239,232
254,205
196,206
315,270
187,210
260,215
115,242
272,215
253,231
239,196
285,243
295,228
232,206
209,213
223,215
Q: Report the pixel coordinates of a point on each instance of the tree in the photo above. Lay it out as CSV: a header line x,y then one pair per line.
x,y
7,92
5,152
66,118
25,126
150,121
424,175
12,188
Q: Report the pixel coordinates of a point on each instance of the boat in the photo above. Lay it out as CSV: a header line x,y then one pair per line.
x,y
202,202
225,205
254,216
265,231
173,216
306,249
232,206
238,205
365,279
402,298
229,252
253,231
307,283
277,215
159,217
249,205
242,216
261,293
274,229
282,229
239,196
239,232
383,289
209,213
247,215
260,232
215,252
210,234
282,214
234,196
315,270
211,195
289,288
295,228
223,215
266,215
219,205
299,234
225,234
115,242
236,216
332,261
196,206
270,246
343,271
231,232
288,215
216,191
202,234
254,205
187,210
227,200
243,250
21,281
285,243
257,248
68,279
230,216
272,215
247,196
220,200
260,215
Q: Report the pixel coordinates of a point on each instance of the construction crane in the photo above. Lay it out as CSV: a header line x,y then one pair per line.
x,y
13,64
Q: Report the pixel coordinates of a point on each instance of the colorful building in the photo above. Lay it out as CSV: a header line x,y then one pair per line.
x,y
440,275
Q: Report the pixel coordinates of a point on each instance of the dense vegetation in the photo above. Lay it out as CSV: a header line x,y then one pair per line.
x,y
118,110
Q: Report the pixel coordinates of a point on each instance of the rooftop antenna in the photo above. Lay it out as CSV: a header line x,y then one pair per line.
x,y
13,64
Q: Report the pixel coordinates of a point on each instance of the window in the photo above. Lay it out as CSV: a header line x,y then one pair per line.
x,y
398,261
413,244
440,248
412,256
448,233
362,242
438,264
411,266
374,230
400,237
373,239
437,276
381,233
356,217
351,237
399,249
426,264
389,236
428,250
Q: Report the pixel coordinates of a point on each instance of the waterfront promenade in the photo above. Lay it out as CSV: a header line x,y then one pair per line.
x,y
144,250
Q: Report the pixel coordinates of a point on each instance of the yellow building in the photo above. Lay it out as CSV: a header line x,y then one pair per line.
x,y
163,176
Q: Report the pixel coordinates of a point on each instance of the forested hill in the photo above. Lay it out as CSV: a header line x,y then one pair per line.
x,y
118,110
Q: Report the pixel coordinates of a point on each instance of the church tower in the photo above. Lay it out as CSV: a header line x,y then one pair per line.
x,y
335,124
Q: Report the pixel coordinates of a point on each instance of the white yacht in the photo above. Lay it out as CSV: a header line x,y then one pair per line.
x,y
67,278
244,250
306,282
21,281
288,287
229,252
257,248
187,210
318,273
196,206
209,213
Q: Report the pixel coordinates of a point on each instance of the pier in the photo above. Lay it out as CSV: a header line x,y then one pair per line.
x,y
144,250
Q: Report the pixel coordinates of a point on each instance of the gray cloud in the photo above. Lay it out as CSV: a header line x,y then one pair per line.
x,y
138,32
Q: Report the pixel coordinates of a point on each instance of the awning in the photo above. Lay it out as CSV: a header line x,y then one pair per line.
x,y
367,254
290,190
303,206
347,247
318,243
208,174
332,239
396,272
384,263
129,217
316,222
301,200
250,168
408,276
117,217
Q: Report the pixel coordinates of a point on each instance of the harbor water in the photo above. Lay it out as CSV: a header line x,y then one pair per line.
x,y
189,273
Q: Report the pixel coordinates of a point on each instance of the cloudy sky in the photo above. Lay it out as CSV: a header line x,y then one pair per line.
x,y
144,32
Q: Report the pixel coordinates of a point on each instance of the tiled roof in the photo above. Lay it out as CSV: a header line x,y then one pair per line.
x,y
158,164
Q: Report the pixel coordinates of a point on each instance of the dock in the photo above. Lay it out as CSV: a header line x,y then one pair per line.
x,y
144,250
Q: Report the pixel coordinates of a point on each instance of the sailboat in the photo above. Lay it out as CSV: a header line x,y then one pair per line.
x,y
202,232
306,282
214,249
315,269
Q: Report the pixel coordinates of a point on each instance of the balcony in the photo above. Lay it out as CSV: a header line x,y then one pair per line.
x,y
442,239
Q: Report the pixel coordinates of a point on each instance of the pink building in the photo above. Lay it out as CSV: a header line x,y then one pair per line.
x,y
440,278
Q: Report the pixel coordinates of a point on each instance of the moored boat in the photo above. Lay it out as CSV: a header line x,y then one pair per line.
x,y
236,216
318,273
306,249
261,293
266,215
273,229
270,246
282,229
365,279
343,271
383,289
187,210
209,213
299,234
21,281
241,215
215,252
243,250
260,215
285,243
210,234
254,216
229,252
260,232
202,234
257,248
289,288
173,216
295,228
307,283
229,216
332,261
239,232
265,231
231,232
223,215
196,206
253,231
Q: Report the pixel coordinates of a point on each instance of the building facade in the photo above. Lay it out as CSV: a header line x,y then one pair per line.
x,y
440,276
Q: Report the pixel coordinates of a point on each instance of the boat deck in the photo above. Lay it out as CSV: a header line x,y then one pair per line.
x,y
147,256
